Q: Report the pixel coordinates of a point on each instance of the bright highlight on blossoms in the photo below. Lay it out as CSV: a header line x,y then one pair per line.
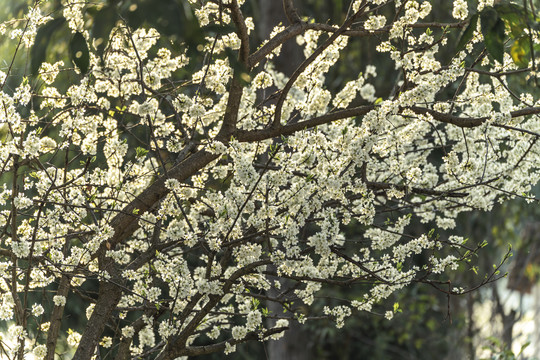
x,y
167,174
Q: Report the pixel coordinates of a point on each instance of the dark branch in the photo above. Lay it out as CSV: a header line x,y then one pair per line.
x,y
290,12
257,135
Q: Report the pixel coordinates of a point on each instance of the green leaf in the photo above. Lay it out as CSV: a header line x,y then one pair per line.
x,y
489,18
467,33
79,52
140,152
39,49
493,31
514,16
521,51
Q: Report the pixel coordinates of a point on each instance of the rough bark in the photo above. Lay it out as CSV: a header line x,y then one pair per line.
x,y
293,344
56,319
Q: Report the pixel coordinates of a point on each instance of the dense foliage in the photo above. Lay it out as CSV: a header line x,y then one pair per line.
x,y
179,183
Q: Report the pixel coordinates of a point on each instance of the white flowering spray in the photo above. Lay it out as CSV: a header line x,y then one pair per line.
x,y
188,182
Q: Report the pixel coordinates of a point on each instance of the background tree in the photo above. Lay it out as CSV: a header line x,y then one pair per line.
x,y
173,179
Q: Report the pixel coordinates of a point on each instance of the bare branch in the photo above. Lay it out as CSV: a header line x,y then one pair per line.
x,y
242,31
421,191
290,11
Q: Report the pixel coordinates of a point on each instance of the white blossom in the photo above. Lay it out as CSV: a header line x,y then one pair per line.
x,y
37,310
460,10
194,188
59,300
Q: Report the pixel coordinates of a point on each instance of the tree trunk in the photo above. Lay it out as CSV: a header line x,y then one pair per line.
x,y
293,346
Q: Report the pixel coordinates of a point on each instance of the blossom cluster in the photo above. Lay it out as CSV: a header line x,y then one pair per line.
x,y
187,193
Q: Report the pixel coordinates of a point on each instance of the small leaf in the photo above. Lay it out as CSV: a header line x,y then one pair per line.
x,y
39,49
468,33
520,51
79,52
489,18
514,16
493,31
140,152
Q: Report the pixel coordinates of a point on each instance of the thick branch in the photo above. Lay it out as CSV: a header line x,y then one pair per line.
x,y
257,135
290,12
56,318
242,31
470,122
208,349
124,224
454,25
109,296
450,119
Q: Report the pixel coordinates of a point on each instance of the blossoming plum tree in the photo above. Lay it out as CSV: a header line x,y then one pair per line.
x,y
175,204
